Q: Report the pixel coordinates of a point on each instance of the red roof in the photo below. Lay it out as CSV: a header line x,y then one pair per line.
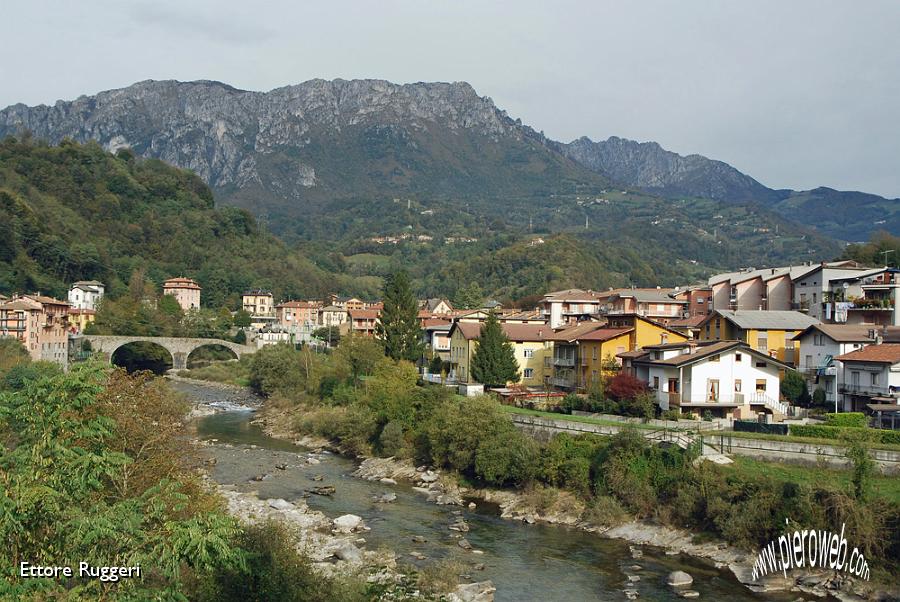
x,y
604,334
886,353
515,332
364,314
181,283
299,304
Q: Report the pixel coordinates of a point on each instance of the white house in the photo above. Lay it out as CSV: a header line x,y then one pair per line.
x,y
86,294
727,378
820,344
870,376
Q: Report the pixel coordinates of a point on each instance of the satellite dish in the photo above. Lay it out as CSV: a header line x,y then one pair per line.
x,y
846,285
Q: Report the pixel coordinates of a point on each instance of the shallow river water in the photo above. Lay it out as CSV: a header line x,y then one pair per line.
x,y
525,562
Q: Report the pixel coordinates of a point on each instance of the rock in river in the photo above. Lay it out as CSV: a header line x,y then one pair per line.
x,y
349,552
323,490
473,592
348,523
679,579
280,504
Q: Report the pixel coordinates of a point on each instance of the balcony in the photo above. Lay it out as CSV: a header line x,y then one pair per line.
x,y
563,383
867,390
800,306
568,362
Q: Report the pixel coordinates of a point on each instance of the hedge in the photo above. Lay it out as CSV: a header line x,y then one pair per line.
x,y
834,432
851,419
752,426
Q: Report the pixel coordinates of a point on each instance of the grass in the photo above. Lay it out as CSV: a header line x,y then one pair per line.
x,y
887,487
232,373
795,439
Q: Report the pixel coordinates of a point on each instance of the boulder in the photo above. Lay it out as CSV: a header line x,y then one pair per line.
x,y
464,544
387,481
679,579
482,591
348,552
428,477
280,504
386,498
323,490
460,525
312,461
347,523
689,593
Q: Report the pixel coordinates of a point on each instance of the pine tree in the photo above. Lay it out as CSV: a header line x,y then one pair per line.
x,y
398,328
494,361
468,297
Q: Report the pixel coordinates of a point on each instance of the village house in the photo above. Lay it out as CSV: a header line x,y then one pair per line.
x,y
816,286
260,304
297,314
698,300
436,307
653,303
531,344
436,333
727,378
86,294
80,319
348,303
185,291
822,343
769,332
586,351
40,323
872,297
511,316
571,305
363,321
333,315
870,377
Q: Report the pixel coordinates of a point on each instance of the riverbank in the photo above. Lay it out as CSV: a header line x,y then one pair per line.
x,y
567,510
337,547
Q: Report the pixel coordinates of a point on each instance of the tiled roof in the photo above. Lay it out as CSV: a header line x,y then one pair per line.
x,y
604,334
299,304
852,333
364,314
886,353
692,322
180,283
46,300
515,332
767,320
575,331
702,352
573,294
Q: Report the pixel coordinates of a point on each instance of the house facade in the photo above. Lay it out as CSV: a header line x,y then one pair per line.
x,y
333,315
40,323
258,303
531,344
870,376
363,321
654,303
86,294
185,290
769,332
726,378
571,305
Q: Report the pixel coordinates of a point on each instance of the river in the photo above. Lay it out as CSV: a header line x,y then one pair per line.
x,y
525,562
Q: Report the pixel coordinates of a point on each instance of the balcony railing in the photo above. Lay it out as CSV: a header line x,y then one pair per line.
x,y
564,361
566,383
860,389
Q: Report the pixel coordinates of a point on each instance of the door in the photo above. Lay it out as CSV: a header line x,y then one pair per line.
x,y
673,391
712,389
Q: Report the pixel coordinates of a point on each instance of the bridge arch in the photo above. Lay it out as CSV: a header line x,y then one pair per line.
x,y
191,359
142,355
179,347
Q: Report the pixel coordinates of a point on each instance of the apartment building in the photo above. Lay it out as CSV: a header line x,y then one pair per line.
x,y
40,323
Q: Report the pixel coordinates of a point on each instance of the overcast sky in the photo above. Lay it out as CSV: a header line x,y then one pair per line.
x,y
795,93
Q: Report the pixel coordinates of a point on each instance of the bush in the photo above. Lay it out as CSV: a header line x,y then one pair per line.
x,y
572,402
441,577
838,433
276,368
847,419
20,375
605,511
566,462
819,397
392,440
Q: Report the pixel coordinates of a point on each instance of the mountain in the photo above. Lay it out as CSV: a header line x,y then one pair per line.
x,y
279,152
850,216
364,176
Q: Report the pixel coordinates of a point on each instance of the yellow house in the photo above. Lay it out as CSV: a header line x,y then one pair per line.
x,y
533,350
585,351
79,319
769,332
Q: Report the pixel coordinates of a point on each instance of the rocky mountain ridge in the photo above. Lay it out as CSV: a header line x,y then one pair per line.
x,y
293,150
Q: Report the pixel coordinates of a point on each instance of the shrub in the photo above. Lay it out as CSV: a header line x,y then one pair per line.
x,y
566,462
572,402
392,440
605,511
707,416
851,419
276,368
440,577
793,386
20,375
819,397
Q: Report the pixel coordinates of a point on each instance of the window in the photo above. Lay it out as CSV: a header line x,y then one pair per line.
x,y
528,373
738,358
761,385
699,299
760,364
712,389
819,340
656,382
529,353
593,376
714,358
546,361
594,353
663,338
737,385
762,341
874,378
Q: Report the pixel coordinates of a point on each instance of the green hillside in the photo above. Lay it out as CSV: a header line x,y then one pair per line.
x,y
77,212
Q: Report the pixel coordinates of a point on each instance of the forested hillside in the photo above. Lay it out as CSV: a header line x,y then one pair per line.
x,y
74,211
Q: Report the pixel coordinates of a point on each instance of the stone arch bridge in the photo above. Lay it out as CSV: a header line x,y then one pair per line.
x,y
178,347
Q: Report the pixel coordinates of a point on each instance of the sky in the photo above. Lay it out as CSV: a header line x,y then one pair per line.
x,y
797,94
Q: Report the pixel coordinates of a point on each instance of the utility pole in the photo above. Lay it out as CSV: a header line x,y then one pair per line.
x,y
884,255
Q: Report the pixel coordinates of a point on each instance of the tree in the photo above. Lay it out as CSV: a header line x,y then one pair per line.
x,y
398,328
328,334
624,386
242,318
494,361
793,387
468,297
